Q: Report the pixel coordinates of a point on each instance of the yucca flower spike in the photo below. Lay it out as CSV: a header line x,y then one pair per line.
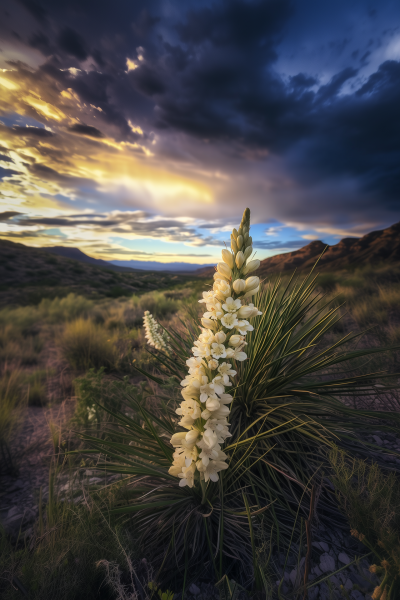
x,y
155,335
205,409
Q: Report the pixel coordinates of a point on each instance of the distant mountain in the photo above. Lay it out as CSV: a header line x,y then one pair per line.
x,y
122,265
373,248
158,266
76,254
27,275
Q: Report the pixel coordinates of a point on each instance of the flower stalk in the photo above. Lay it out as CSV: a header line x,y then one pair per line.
x,y
155,335
205,410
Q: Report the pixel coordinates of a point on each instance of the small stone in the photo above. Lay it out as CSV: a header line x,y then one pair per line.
x,y
15,510
94,480
313,593
316,570
348,585
321,546
327,563
377,440
194,589
344,558
356,595
293,577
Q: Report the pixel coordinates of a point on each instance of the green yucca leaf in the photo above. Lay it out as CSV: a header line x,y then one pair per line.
x,y
289,411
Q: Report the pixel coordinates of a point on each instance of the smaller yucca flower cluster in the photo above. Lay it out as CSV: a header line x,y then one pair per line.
x,y
155,335
204,410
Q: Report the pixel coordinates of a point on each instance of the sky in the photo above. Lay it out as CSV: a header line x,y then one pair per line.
x,y
141,130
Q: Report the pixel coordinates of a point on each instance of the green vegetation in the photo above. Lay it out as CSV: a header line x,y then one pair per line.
x,y
85,346
293,405
12,404
287,414
61,558
370,498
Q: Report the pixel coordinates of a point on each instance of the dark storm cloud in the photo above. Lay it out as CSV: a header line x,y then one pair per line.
x,y
6,158
7,172
209,71
301,80
124,222
72,43
41,42
86,130
35,9
38,132
359,136
8,214
48,174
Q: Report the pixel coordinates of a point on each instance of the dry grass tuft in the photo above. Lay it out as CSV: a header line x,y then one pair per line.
x,y
86,345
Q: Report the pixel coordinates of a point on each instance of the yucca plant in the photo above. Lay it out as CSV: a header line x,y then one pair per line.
x,y
288,410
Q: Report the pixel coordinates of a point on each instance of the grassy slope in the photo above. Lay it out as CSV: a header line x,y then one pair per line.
x,y
29,274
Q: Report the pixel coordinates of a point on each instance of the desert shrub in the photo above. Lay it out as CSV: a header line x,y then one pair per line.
x,y
22,318
64,309
156,303
355,282
389,297
12,405
35,384
61,559
30,349
394,334
95,390
86,345
370,499
327,281
15,347
369,311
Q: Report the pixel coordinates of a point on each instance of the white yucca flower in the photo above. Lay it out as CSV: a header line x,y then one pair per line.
x,y
155,335
205,408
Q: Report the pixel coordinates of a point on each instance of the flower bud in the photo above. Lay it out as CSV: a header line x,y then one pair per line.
x,y
234,233
249,241
245,312
224,270
213,364
239,259
192,436
251,293
177,438
239,285
220,337
235,340
239,241
208,323
212,404
245,237
248,252
251,266
252,282
233,244
227,257
175,470
217,276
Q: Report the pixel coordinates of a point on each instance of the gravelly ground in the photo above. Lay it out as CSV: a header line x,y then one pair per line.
x,y
332,550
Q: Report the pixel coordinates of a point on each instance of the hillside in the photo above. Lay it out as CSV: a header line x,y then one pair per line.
x,y
372,249
76,254
123,266
28,274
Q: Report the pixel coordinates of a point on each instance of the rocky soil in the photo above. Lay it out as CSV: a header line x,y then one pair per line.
x,y
332,550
